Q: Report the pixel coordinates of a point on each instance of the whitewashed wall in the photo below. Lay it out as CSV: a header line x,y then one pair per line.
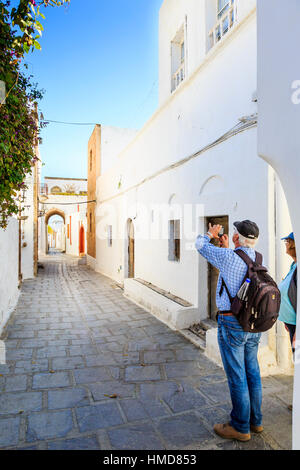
x,y
113,140
9,291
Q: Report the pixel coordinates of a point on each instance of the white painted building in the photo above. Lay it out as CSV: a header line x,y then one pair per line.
x,y
194,161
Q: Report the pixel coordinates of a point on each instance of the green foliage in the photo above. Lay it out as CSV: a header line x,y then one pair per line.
x,y
19,130
26,17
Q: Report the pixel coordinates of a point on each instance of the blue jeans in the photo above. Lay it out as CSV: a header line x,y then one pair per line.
x,y
239,355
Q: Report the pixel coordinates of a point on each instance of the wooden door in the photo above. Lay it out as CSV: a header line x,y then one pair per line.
x,y
81,240
213,273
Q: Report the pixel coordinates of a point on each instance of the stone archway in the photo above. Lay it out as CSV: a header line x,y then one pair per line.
x,y
50,213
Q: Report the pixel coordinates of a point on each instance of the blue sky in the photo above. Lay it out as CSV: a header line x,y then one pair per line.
x,y
98,64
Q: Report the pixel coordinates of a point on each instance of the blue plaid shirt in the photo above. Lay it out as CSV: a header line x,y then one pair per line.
x,y
232,268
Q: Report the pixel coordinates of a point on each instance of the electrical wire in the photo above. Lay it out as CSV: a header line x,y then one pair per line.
x,y
245,123
66,203
45,121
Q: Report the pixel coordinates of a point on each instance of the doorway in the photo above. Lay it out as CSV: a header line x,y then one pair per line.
x,y
212,272
81,241
130,232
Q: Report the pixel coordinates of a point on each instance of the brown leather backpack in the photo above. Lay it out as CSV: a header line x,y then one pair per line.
x,y
260,309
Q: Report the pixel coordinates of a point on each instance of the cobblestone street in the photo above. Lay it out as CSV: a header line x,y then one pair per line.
x,y
88,369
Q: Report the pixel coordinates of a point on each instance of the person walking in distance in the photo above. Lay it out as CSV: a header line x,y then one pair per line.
x,y
238,348
288,289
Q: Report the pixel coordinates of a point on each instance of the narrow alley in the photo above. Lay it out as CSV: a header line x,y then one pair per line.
x,y
88,369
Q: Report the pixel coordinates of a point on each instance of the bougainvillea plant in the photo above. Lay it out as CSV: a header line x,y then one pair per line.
x,y
19,129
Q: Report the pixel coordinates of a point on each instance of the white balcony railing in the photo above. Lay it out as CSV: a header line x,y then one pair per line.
x,y
178,76
224,24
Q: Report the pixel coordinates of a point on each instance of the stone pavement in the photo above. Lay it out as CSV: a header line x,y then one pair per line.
x,y
88,369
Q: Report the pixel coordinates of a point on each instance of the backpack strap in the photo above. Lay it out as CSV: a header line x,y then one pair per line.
x,y
245,257
223,285
259,258
249,262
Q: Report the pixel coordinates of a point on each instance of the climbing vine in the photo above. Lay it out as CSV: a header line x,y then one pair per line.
x,y
20,30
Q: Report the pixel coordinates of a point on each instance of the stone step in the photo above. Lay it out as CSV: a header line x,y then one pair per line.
x,y
193,338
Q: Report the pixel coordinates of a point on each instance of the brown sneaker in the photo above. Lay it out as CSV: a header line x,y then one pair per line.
x,y
228,432
256,429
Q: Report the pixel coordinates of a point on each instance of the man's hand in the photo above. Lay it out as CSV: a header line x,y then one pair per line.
x,y
213,231
224,241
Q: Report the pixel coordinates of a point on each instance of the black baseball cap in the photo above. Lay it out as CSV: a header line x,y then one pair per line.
x,y
248,229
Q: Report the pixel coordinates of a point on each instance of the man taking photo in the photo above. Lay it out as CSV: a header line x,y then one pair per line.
x,y
238,348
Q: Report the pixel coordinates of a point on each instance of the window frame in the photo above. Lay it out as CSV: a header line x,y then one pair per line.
x,y
182,50
221,11
174,240
178,58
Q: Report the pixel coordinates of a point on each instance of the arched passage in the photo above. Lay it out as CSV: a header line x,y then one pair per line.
x,y
58,239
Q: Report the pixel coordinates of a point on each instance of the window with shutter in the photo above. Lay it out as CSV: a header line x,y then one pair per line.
x,y
174,240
